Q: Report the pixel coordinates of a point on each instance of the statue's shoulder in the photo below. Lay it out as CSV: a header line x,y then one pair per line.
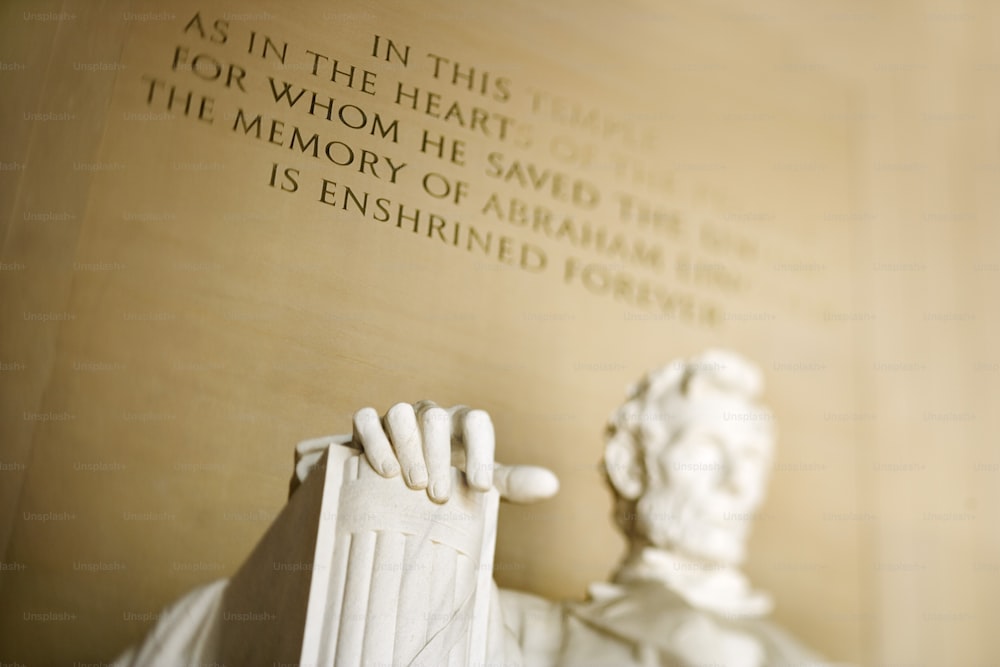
x,y
185,632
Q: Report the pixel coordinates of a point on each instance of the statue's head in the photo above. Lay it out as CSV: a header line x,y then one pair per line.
x,y
688,456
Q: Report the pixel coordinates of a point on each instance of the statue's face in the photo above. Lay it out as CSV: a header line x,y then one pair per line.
x,y
702,489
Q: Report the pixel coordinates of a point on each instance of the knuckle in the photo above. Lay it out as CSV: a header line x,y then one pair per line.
x,y
477,419
435,417
400,412
423,405
365,417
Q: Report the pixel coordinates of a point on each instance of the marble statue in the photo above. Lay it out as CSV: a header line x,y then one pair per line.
x,y
687,457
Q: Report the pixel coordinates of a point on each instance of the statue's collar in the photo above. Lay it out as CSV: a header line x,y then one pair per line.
x,y
719,589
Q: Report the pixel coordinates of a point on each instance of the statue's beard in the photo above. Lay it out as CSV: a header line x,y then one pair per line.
x,y
697,524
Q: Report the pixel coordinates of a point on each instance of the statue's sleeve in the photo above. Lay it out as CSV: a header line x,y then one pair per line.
x,y
533,629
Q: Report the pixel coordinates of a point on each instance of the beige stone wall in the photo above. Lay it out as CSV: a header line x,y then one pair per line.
x,y
811,187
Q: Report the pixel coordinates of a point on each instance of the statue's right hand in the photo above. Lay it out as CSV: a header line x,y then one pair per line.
x,y
422,441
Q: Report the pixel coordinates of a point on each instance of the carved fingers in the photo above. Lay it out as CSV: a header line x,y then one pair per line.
x,y
424,440
400,425
435,424
369,434
525,484
475,442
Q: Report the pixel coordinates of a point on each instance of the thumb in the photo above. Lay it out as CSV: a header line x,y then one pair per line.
x,y
524,484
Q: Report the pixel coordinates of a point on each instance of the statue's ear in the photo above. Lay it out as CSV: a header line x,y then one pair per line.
x,y
624,465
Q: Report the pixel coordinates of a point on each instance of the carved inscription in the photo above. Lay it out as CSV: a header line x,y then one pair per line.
x,y
459,155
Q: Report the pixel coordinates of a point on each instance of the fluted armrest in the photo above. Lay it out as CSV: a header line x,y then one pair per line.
x,y
359,569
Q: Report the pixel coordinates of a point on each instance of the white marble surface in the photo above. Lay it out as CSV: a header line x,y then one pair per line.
x,y
402,542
